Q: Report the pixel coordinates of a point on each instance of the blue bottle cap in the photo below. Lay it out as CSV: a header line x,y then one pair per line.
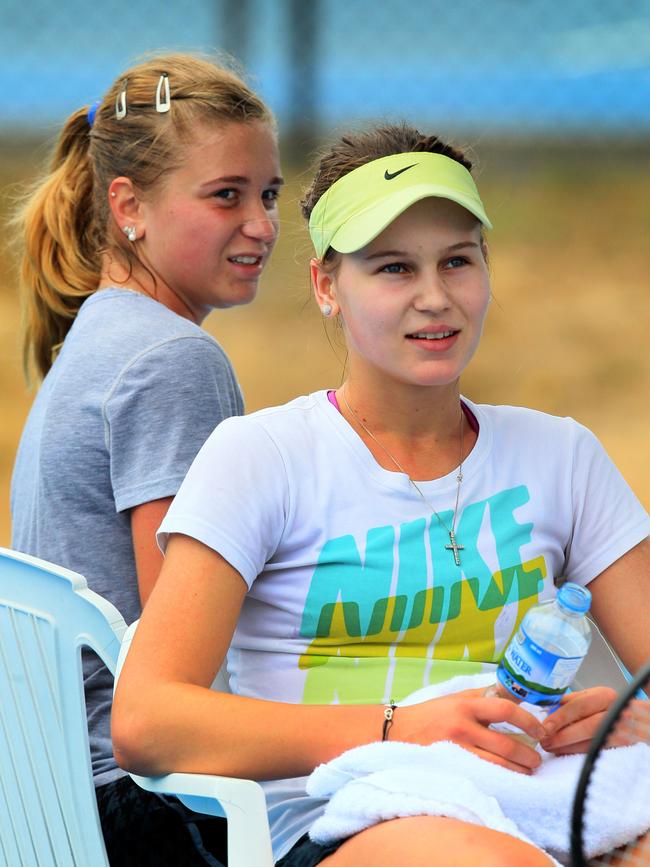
x,y
574,597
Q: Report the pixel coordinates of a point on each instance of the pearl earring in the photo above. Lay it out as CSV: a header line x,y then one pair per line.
x,y
113,194
130,232
326,309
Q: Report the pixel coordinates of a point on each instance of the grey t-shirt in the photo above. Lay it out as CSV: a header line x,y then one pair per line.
x,y
132,396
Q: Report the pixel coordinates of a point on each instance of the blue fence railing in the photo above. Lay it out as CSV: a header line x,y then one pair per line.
x,y
493,66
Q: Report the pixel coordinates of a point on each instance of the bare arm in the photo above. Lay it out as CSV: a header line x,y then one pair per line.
x,y
145,520
621,605
166,719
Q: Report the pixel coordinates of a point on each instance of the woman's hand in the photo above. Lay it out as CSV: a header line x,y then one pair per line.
x,y
464,718
572,726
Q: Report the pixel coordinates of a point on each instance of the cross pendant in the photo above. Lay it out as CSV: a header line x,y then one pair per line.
x,y
455,547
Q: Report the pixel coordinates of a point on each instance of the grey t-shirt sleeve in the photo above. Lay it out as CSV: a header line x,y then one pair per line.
x,y
159,412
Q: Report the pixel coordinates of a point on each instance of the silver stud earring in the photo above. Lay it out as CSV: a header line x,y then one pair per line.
x,y
113,194
130,232
326,310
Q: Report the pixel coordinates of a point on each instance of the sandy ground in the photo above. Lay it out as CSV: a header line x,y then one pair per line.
x,y
568,333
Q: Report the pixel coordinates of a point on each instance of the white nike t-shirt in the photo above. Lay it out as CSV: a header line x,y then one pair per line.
x,y
353,596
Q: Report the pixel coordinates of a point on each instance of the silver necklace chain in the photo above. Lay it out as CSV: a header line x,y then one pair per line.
x,y
453,546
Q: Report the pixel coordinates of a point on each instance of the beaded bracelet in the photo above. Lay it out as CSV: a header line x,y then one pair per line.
x,y
389,712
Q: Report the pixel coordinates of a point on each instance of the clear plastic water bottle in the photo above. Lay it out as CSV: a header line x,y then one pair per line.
x,y
543,657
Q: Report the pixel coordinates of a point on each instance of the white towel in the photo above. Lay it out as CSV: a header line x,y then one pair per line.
x,y
383,781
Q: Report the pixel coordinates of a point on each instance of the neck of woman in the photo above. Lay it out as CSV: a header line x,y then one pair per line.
x,y
140,279
415,429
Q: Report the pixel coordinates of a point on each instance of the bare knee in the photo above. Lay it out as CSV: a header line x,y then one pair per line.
x,y
435,841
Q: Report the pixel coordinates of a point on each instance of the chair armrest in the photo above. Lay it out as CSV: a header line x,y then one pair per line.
x,y
242,802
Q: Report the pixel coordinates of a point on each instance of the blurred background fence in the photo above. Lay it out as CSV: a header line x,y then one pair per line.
x,y
554,68
553,98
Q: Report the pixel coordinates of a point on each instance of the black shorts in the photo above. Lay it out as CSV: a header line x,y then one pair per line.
x,y
307,854
142,829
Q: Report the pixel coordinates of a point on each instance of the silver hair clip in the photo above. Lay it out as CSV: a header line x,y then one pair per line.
x,y
120,102
163,98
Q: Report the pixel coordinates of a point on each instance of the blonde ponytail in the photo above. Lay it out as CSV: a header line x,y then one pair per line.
x,y
60,264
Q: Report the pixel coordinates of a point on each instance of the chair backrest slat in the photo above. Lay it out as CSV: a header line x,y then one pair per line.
x,y
44,819
48,812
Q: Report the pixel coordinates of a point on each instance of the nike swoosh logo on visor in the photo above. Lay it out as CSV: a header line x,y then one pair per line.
x,y
390,175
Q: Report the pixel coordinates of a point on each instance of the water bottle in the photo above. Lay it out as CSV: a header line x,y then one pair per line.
x,y
543,657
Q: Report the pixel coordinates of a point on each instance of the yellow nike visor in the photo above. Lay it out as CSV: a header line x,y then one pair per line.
x,y
362,203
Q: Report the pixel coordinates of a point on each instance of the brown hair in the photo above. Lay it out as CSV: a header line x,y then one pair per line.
x,y
357,149
64,220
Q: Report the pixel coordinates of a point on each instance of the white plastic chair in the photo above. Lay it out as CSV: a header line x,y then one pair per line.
x,y
48,811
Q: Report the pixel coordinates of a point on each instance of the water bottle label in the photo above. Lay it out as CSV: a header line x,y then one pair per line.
x,y
534,674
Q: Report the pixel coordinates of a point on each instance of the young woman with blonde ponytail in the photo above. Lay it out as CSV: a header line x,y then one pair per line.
x,y
160,204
